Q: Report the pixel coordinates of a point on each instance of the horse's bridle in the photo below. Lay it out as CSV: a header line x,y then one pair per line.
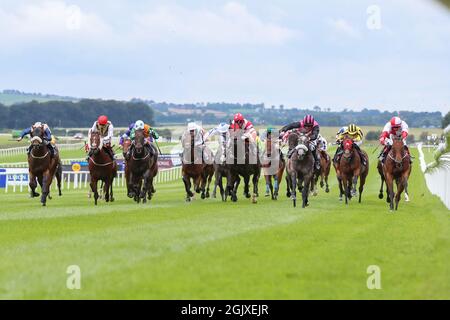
x,y
398,162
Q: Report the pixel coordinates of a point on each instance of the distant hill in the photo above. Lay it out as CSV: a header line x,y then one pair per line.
x,y
10,97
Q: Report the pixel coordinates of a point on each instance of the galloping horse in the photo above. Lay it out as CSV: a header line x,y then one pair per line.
x,y
349,169
245,164
325,166
142,168
193,166
397,166
300,168
272,160
221,170
42,167
381,195
101,167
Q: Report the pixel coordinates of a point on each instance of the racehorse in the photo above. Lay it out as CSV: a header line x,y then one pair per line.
x,y
193,166
42,167
325,166
273,166
397,166
381,195
349,169
221,170
142,168
300,168
245,164
102,168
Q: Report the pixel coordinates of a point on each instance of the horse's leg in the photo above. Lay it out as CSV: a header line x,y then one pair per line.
x,y
208,185
111,193
390,189
293,178
237,182
345,187
106,189
33,185
400,188
45,189
327,187
354,184
288,186
362,181
246,186
275,187
255,179
94,188
58,179
268,180
305,191
187,186
130,185
380,195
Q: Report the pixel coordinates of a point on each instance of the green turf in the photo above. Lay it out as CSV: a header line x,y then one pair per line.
x,y
211,250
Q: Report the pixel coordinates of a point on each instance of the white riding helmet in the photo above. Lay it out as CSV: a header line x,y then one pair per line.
x,y
37,124
139,125
192,126
223,127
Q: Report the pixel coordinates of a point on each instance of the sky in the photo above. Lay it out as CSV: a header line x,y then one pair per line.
x,y
354,54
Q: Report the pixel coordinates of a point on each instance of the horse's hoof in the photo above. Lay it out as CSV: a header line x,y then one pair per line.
x,y
327,190
315,194
44,204
288,194
248,196
406,198
267,195
380,196
340,198
60,194
203,196
188,199
207,195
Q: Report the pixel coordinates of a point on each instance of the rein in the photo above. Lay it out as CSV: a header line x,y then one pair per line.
x,y
100,164
397,161
36,157
147,154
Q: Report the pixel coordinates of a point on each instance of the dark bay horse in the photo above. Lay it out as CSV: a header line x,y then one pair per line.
x,y
102,168
349,169
397,166
273,166
242,162
193,166
300,168
42,167
142,167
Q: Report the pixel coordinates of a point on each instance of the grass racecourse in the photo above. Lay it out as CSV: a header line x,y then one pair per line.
x,y
212,250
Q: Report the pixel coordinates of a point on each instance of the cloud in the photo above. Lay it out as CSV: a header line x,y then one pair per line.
x,y
343,27
232,24
49,20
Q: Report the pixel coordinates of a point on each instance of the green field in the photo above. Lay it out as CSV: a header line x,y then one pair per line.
x,y
211,250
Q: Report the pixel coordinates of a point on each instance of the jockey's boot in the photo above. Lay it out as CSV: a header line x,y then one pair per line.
x,y
337,154
110,153
361,155
316,160
52,150
128,153
383,154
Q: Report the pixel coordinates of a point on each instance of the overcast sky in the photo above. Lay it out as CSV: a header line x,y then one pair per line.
x,y
342,54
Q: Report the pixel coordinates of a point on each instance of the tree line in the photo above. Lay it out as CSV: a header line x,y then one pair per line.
x,y
67,114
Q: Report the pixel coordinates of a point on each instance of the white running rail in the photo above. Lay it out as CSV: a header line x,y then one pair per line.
x,y
18,181
438,180
22,150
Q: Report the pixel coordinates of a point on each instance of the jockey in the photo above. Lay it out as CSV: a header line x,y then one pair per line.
x,y
395,127
149,134
106,130
322,143
199,137
48,138
224,136
240,123
353,132
311,128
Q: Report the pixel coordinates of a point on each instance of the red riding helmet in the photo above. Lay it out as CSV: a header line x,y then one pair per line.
x,y
308,121
239,119
396,122
102,120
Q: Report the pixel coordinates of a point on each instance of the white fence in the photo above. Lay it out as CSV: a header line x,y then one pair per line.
x,y
438,181
17,181
22,150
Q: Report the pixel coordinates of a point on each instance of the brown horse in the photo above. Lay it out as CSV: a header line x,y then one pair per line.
x,y
42,167
349,169
325,166
383,180
397,166
142,168
125,146
273,166
193,166
102,168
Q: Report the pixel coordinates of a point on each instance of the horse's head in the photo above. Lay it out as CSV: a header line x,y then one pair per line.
x,y
398,150
139,141
37,137
301,148
293,139
348,148
95,142
126,145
